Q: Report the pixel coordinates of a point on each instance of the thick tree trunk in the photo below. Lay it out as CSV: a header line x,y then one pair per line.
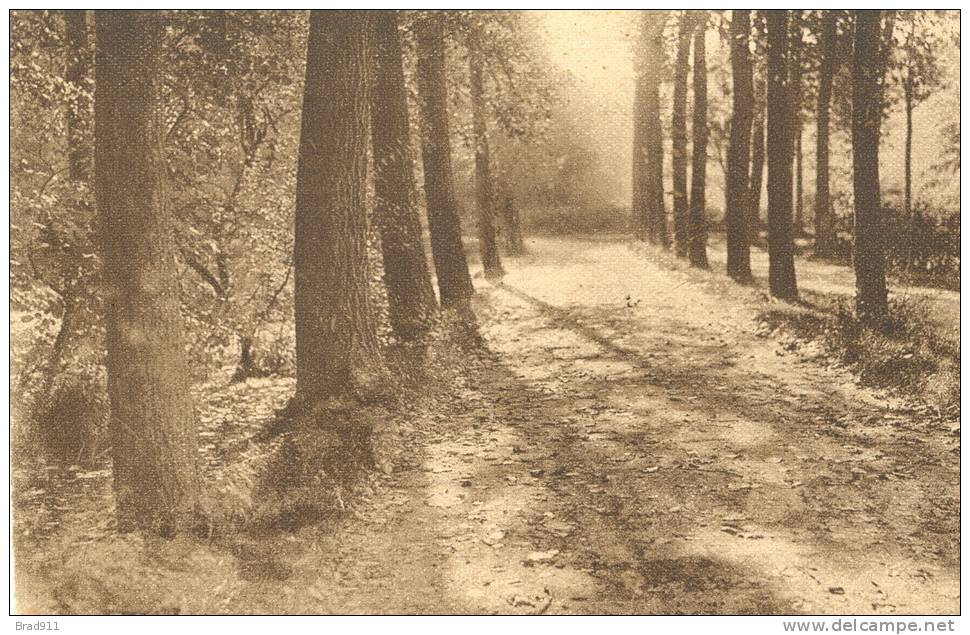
x,y
781,257
152,423
484,183
411,301
650,75
336,341
451,267
756,180
738,198
824,223
678,134
698,183
868,253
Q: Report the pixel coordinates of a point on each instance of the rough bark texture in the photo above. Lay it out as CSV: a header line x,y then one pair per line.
x,y
451,267
698,179
411,301
152,423
781,258
484,183
336,342
824,223
678,134
868,254
650,70
738,198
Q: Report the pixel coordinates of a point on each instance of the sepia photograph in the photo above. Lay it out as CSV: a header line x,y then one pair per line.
x,y
473,312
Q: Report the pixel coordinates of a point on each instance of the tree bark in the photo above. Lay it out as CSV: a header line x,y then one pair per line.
x,y
337,353
451,266
698,212
738,198
484,183
678,134
639,219
868,253
795,102
908,149
799,182
411,301
650,75
152,422
514,242
781,258
756,181
824,223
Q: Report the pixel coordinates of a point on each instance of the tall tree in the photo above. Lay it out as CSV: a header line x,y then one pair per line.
x,y
738,198
484,183
781,256
336,340
796,61
824,223
152,421
868,257
697,228
640,221
756,180
678,133
411,301
451,266
649,75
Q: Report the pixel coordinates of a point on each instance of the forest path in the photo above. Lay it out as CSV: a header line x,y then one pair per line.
x,y
633,447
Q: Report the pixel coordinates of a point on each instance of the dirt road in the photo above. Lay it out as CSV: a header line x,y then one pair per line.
x,y
633,447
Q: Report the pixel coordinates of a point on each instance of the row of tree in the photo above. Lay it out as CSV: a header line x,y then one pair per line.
x,y
355,112
778,59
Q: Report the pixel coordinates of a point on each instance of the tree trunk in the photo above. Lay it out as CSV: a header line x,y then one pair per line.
x,y
738,198
908,150
484,183
698,220
781,258
868,254
678,134
650,75
756,181
336,340
795,108
824,223
152,422
411,301
451,267
514,242
799,182
638,214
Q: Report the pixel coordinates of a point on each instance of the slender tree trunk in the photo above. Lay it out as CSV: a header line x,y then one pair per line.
x,y
650,74
698,221
824,225
678,134
908,151
638,214
738,198
868,254
484,183
336,340
756,181
781,258
451,267
152,422
411,301
514,242
799,182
